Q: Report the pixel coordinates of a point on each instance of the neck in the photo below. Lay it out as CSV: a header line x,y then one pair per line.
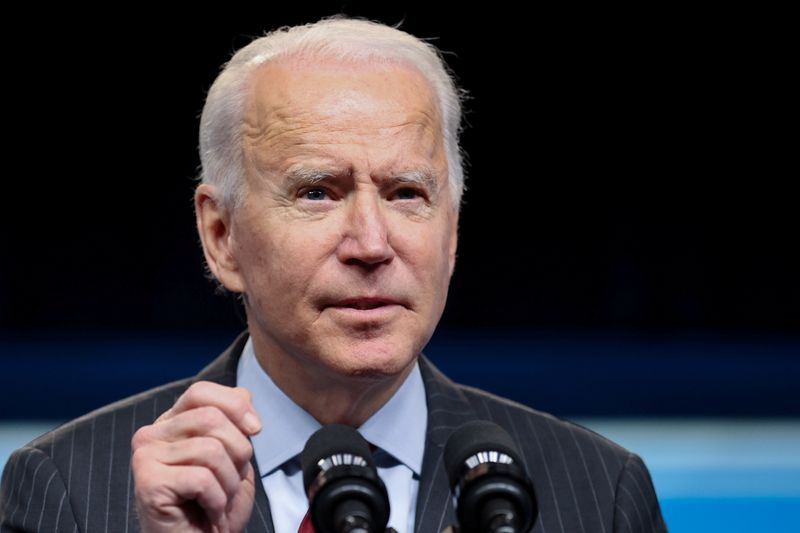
x,y
331,397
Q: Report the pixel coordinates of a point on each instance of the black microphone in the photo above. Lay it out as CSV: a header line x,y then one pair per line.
x,y
344,491
491,490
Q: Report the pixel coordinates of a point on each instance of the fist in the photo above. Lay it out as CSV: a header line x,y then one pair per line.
x,y
191,467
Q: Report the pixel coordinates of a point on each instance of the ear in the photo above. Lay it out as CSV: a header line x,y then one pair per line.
x,y
453,241
214,224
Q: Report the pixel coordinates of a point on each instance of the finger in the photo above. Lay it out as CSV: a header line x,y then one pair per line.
x,y
199,422
201,451
161,487
235,402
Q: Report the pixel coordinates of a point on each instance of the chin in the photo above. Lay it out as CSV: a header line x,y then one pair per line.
x,y
374,362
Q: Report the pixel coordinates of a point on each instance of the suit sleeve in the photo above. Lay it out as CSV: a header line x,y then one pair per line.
x,y
636,508
33,496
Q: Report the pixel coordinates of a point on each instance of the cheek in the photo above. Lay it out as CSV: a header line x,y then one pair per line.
x,y
288,258
428,252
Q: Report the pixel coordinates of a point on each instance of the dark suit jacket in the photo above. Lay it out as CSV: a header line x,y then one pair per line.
x,y
78,478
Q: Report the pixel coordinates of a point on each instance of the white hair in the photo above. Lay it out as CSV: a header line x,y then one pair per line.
x,y
335,37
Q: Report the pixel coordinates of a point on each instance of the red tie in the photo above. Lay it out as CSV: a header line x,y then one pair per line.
x,y
306,526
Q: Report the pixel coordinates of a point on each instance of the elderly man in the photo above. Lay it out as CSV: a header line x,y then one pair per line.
x,y
329,201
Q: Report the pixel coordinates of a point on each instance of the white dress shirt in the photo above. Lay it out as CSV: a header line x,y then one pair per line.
x,y
397,429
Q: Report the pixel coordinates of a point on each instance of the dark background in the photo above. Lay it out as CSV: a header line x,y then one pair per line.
x,y
628,242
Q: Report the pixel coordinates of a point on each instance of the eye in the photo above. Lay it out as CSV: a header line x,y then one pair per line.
x,y
315,194
407,193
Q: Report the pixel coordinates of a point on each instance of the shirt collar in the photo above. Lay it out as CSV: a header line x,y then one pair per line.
x,y
398,427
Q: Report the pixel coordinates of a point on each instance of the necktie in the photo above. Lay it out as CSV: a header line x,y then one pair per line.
x,y
306,526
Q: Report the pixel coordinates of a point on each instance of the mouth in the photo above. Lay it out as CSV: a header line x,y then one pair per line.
x,y
364,303
371,309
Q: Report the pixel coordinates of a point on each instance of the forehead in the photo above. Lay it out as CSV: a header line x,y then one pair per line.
x,y
296,101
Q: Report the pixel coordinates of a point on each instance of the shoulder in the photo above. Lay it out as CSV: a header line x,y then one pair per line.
x,y
607,483
536,428
546,441
72,473
566,454
84,465
132,412
125,416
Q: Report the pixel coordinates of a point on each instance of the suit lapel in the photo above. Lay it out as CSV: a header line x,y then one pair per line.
x,y
447,410
223,371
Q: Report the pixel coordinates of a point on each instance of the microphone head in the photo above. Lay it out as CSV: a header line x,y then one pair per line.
x,y
345,492
472,438
491,490
336,444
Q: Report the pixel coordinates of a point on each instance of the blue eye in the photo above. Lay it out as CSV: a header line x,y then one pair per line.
x,y
407,194
315,194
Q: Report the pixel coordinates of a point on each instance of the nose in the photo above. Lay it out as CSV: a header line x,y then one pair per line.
x,y
365,239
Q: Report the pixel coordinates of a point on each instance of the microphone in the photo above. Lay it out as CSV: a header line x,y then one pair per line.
x,y
492,493
344,491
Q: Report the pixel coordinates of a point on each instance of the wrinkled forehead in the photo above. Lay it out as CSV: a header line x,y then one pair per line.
x,y
331,89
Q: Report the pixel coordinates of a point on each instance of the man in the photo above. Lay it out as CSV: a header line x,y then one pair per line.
x,y
330,197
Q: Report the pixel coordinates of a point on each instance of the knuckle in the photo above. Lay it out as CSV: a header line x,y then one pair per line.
x,y
240,405
209,417
196,388
141,437
146,479
143,492
213,449
205,480
242,450
245,394
138,460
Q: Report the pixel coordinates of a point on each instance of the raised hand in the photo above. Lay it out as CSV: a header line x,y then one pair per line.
x,y
191,467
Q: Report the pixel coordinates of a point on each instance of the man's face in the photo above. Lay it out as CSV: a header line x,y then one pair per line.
x,y
346,240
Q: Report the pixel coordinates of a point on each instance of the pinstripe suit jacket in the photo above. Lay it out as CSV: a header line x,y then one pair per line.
x,y
78,478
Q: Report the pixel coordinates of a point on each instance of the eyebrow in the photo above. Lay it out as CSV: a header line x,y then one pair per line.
x,y
425,177
299,177
304,176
